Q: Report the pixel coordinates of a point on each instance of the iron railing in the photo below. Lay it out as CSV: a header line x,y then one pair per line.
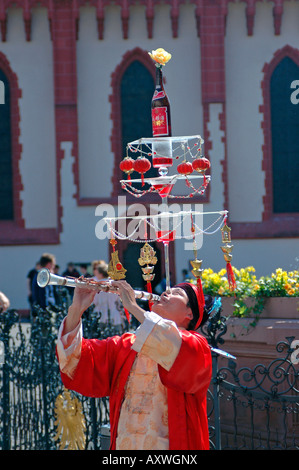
x,y
247,408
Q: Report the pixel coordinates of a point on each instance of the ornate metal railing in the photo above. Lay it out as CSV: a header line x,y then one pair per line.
x,y
264,401
247,408
253,408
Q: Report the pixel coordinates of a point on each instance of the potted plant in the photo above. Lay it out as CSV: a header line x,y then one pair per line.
x,y
274,296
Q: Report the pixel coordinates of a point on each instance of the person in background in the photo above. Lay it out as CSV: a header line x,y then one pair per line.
x,y
83,270
44,296
108,304
185,275
30,277
71,271
94,265
4,302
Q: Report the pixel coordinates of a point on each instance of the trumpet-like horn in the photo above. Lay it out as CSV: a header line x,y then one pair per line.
x,y
45,278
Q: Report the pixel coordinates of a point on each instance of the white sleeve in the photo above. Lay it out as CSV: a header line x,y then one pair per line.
x,y
69,349
159,339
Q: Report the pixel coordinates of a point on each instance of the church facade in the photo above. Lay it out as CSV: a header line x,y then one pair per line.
x,y
76,84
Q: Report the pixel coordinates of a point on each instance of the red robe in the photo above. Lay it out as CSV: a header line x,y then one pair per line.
x,y
105,365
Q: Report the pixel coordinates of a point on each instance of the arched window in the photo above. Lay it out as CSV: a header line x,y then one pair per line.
x,y
137,88
6,178
281,145
285,138
133,84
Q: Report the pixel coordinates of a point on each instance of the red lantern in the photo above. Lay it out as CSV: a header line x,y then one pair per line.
x,y
201,164
185,168
127,166
142,165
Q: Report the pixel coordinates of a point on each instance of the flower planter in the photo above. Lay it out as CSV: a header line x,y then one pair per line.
x,y
250,340
275,307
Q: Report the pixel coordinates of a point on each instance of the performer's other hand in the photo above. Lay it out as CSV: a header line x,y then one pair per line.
x,y
127,295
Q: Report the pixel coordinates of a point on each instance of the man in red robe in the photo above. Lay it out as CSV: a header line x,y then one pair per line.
x,y
157,378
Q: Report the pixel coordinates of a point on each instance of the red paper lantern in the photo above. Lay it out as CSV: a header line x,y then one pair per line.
x,y
185,168
127,166
201,164
142,165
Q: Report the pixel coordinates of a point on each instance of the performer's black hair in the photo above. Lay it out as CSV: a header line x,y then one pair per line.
x,y
209,301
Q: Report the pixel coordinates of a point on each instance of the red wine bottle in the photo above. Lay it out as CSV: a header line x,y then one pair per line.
x,y
161,123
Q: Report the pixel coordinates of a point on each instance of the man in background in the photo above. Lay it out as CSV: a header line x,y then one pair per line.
x,y
44,296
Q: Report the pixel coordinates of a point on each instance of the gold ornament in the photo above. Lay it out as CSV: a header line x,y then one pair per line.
x,y
227,254
196,271
226,240
70,422
148,273
225,233
115,269
227,249
147,257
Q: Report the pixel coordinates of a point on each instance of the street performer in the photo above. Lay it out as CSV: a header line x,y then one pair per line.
x,y
157,378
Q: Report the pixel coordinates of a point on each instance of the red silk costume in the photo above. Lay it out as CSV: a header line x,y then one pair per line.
x,y
104,368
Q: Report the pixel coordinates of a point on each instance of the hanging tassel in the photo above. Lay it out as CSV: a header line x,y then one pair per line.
x,y
149,289
197,271
127,315
201,302
227,250
230,277
129,179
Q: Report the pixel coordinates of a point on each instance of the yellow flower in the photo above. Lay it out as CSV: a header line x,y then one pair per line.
x,y
236,271
160,56
251,269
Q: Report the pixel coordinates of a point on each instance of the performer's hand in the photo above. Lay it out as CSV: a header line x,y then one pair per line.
x,y
126,294
83,298
128,298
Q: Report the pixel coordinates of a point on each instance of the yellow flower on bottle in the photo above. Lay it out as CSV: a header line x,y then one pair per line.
x,y
160,56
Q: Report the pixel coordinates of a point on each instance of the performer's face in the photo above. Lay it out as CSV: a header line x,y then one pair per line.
x,y
173,305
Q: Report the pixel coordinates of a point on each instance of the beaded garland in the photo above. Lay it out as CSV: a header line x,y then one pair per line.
x,y
182,216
